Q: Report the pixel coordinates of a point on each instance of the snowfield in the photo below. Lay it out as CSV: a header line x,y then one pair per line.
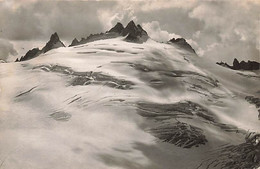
x,y
112,104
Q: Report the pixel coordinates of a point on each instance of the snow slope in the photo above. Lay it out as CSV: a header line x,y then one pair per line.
x,y
114,104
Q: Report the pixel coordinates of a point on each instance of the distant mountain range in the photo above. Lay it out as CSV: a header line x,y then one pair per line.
x,y
249,65
132,33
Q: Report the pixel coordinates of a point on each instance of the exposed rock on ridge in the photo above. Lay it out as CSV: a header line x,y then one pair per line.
x,y
181,42
134,34
118,28
74,42
249,65
31,54
53,43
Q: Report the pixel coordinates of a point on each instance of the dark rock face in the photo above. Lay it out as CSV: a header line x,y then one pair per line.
x,y
134,33
236,65
112,33
53,43
95,37
223,64
130,29
250,65
181,42
74,42
118,28
31,54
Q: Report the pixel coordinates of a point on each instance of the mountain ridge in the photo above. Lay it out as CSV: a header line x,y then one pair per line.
x,y
135,34
131,33
249,65
53,43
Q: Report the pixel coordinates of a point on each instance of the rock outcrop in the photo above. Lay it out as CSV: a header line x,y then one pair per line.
x,y
181,42
31,54
95,37
74,42
118,28
249,65
53,43
223,64
132,32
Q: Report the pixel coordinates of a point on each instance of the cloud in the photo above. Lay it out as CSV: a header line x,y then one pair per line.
x,y
6,49
36,20
108,18
154,31
229,31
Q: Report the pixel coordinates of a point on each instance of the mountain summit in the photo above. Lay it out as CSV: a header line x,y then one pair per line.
x,y
134,33
53,43
181,42
249,65
118,28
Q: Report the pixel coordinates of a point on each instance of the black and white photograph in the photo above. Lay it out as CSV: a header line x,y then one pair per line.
x,y
139,84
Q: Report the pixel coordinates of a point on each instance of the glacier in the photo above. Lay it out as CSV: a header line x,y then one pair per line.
x,y
113,104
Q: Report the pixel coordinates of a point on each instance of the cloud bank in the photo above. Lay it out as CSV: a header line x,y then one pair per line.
x,y
154,31
6,49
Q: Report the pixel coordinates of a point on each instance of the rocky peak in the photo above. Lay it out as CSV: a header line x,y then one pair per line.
x,y
53,43
143,32
74,42
135,33
131,28
54,37
249,65
31,54
181,42
118,28
236,65
178,40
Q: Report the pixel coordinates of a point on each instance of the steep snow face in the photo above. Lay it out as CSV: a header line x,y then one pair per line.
x,y
114,104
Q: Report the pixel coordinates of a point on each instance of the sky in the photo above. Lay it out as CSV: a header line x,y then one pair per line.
x,y
218,30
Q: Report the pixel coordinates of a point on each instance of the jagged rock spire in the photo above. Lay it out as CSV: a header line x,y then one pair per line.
x,y
181,42
74,42
134,33
249,65
31,54
131,28
53,43
236,64
118,28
